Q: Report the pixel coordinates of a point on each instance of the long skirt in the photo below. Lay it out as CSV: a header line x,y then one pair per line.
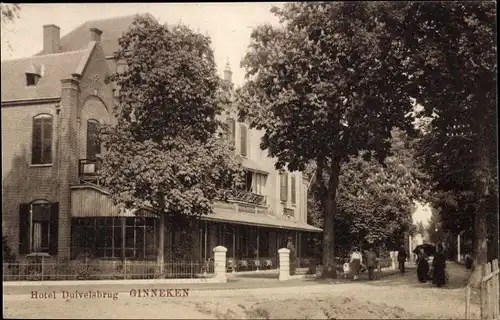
x,y
422,270
355,267
439,275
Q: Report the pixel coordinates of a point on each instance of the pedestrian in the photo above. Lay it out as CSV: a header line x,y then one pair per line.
x,y
468,261
371,262
346,268
422,266
402,259
439,267
355,262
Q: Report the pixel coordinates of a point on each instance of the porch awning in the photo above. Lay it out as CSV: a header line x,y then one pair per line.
x,y
253,166
260,220
92,201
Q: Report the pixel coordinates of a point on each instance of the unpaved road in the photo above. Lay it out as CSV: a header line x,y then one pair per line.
x,y
392,297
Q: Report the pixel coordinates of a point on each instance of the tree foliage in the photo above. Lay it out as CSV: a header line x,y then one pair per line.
x,y
324,85
453,61
167,150
10,12
376,200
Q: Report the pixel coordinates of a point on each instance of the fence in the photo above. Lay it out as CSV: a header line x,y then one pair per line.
x,y
489,293
106,270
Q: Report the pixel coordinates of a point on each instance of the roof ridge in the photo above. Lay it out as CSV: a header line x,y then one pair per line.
x,y
118,17
45,55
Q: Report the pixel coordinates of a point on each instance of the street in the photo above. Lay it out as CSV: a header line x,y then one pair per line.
x,y
394,296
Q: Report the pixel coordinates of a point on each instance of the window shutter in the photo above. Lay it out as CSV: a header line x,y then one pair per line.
x,y
231,133
293,195
24,228
284,186
47,140
243,140
54,228
93,145
36,142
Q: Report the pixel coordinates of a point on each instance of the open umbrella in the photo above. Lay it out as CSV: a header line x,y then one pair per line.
x,y
429,249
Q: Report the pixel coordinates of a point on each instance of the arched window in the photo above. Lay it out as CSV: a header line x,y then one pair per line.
x,y
41,145
38,227
93,142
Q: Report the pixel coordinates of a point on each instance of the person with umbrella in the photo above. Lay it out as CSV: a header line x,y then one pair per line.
x,y
439,267
422,253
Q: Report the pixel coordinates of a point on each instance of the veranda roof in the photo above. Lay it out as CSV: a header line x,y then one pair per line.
x,y
260,220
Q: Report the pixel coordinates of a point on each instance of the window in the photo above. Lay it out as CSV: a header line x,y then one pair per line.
x,y
259,183
293,199
231,131
243,140
103,237
41,145
254,182
32,79
93,143
283,186
38,227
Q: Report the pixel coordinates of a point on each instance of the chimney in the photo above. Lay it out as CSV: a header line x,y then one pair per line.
x,y
95,35
51,39
228,74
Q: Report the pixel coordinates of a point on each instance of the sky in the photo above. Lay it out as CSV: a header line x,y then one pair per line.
x,y
228,24
422,213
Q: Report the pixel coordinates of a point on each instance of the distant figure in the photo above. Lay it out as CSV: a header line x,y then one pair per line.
x,y
402,259
346,268
355,262
371,262
422,266
439,267
468,261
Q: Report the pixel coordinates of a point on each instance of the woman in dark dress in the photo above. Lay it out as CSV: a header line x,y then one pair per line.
x,y
422,266
439,267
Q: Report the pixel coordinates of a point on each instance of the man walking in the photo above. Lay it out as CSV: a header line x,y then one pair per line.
x,y
371,262
402,259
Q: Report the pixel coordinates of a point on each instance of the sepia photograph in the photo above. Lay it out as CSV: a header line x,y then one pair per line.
x,y
250,160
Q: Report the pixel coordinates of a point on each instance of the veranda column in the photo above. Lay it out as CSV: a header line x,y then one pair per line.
x,y
258,246
220,264
284,264
234,249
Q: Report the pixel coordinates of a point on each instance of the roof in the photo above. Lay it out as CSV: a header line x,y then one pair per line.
x,y
112,29
54,68
261,220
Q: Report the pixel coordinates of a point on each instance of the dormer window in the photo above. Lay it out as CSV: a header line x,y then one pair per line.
x,y
32,79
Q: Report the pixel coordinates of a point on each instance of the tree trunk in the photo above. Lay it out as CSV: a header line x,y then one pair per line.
x,y
329,202
161,243
160,258
481,215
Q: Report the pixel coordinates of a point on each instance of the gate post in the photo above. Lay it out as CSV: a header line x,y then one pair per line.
x,y
284,254
220,264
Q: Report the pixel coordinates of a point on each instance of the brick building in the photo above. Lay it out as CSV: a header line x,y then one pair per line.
x,y
52,105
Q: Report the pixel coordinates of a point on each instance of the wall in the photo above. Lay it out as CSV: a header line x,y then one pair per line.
x,y
263,162
21,181
96,97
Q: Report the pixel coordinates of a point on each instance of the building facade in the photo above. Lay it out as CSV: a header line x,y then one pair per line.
x,y
52,202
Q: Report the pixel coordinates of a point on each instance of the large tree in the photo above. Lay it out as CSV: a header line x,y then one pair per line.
x,y
9,11
379,198
452,51
167,151
325,84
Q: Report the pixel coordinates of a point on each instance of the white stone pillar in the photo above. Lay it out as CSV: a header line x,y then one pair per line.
x,y
220,264
284,264
459,258
394,256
